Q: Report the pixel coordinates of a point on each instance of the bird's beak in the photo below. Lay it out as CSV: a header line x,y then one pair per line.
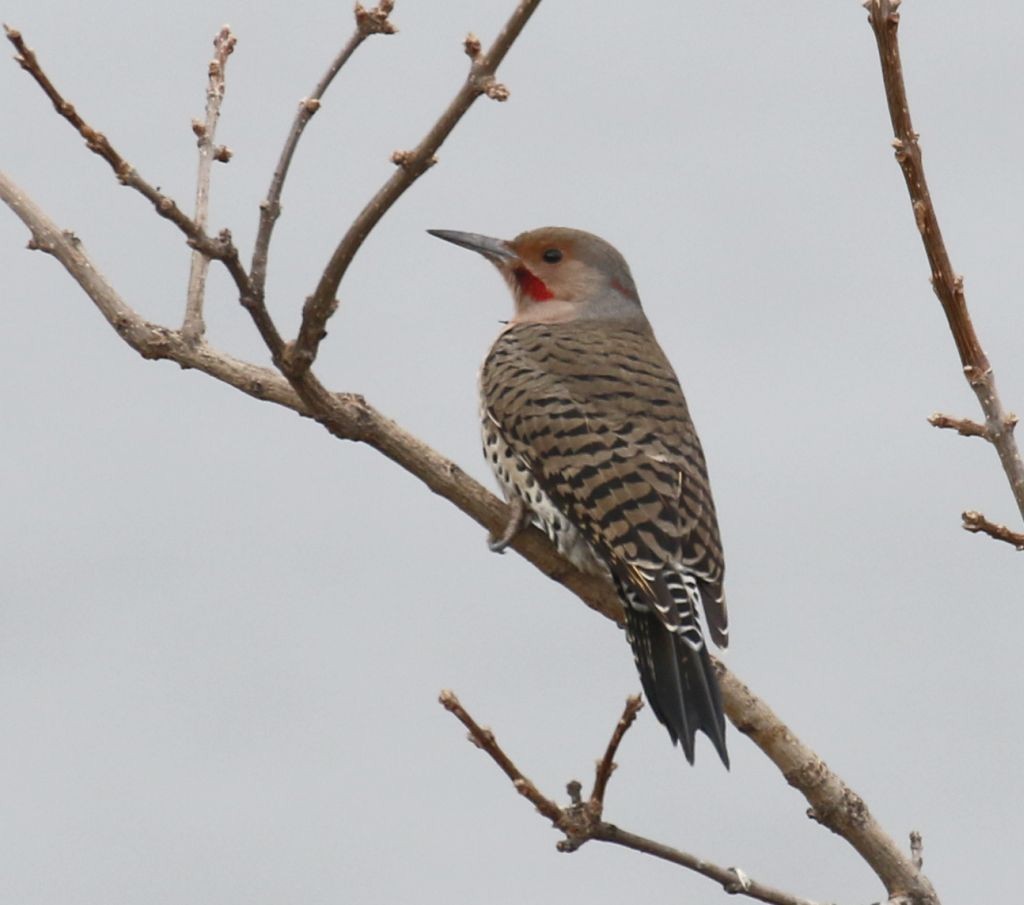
x,y
496,250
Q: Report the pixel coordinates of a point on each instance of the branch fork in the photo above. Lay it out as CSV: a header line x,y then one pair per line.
x,y
582,819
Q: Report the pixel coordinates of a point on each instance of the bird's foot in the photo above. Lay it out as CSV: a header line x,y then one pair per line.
x,y
518,519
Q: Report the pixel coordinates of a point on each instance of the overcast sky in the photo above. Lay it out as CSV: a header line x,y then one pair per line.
x,y
223,632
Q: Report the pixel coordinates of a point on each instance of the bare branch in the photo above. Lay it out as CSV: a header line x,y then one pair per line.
x,y
151,341
732,879
221,248
606,765
976,523
411,165
833,803
948,286
963,426
484,739
368,22
581,820
223,45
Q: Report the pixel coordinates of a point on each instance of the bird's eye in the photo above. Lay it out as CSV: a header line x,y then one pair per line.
x,y
552,256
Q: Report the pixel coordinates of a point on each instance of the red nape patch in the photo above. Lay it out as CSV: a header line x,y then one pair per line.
x,y
533,286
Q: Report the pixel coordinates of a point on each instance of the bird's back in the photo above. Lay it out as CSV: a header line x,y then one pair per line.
x,y
597,413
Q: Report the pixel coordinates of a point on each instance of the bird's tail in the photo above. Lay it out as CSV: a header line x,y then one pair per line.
x,y
679,681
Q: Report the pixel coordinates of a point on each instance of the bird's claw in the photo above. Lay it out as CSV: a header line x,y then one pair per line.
x,y
518,518
497,544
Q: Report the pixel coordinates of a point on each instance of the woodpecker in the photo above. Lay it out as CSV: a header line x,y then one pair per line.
x,y
588,433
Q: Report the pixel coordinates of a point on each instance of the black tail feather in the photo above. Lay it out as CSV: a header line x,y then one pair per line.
x,y
679,682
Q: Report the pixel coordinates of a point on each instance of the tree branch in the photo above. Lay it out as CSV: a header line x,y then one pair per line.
x,y
963,426
976,523
221,248
581,821
368,22
833,803
151,341
948,286
410,166
606,765
193,327
484,739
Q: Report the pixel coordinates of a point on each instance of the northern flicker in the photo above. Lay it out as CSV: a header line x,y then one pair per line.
x,y
586,428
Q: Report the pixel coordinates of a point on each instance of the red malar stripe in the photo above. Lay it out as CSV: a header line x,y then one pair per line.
x,y
534,287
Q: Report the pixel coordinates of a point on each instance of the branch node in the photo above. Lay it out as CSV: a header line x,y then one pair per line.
x,y
408,160
492,88
741,883
375,21
920,217
575,790
472,46
916,849
310,104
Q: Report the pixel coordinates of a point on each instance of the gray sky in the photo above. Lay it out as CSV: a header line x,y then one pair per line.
x,y
223,632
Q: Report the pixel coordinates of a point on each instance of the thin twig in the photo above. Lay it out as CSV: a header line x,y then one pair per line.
x,y
963,426
485,740
410,166
948,286
976,523
368,22
606,765
732,879
193,327
581,821
221,247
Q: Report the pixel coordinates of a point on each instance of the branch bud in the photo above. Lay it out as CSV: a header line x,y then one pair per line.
x,y
496,91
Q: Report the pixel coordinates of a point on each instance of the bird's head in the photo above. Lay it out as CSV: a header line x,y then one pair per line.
x,y
558,274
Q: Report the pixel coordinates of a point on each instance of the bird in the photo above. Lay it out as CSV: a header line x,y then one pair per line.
x,y
586,428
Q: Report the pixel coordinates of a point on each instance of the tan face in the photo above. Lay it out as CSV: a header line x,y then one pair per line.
x,y
548,279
